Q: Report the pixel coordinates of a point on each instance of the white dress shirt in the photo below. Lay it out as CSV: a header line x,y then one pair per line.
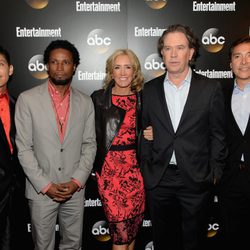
x,y
176,99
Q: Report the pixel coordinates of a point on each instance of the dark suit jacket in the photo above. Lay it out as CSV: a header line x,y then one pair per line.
x,y
237,143
199,141
12,206
10,170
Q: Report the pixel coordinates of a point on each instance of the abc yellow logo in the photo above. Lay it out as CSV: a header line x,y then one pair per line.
x,y
212,229
156,4
154,65
37,68
150,246
212,41
100,231
37,4
99,41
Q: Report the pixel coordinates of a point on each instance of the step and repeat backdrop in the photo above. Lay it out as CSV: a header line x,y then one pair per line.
x,y
97,28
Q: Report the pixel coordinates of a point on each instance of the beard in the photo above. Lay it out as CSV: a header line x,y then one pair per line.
x,y
61,82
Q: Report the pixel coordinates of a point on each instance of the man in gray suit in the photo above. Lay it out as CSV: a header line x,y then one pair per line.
x,y
56,148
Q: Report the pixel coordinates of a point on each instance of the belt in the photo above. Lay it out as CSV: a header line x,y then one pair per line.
x,y
242,166
173,166
122,147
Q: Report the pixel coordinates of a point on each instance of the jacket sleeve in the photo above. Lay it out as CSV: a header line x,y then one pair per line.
x,y
88,150
217,133
145,145
24,142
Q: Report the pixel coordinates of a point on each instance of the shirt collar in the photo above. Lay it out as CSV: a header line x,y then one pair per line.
x,y
237,88
55,92
186,81
5,94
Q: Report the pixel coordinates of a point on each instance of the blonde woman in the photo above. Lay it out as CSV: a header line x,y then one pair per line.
x,y
118,127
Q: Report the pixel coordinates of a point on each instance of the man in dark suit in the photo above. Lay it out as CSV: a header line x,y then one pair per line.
x,y
186,157
234,198
10,170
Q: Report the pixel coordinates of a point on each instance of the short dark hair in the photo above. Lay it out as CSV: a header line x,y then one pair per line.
x,y
62,44
193,41
6,54
243,39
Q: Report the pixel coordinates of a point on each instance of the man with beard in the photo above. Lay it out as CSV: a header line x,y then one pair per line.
x,y
56,148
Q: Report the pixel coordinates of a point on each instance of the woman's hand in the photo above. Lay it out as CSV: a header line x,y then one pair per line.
x,y
148,133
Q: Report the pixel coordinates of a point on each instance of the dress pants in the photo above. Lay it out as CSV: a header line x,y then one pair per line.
x,y
235,212
5,207
44,214
179,215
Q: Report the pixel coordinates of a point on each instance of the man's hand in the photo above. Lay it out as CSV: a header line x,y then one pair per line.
x,y
70,187
58,193
67,189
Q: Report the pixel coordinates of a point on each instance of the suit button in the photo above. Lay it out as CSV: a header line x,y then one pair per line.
x,y
59,169
61,150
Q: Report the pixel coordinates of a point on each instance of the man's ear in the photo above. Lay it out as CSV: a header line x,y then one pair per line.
x,y
11,70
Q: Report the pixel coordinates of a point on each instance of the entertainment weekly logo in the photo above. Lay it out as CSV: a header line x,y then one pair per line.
x,y
97,6
214,6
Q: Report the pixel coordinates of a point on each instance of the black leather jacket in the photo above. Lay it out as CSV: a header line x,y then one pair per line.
x,y
108,120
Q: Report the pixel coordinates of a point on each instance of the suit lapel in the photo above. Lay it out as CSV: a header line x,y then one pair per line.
x,y
229,94
48,108
12,127
247,128
12,124
194,91
2,133
163,103
72,113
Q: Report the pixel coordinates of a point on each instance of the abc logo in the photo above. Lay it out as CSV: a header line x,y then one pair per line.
x,y
212,229
99,41
211,41
149,246
156,4
37,4
154,65
37,68
101,231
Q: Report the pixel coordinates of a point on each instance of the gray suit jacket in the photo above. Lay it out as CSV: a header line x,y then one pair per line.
x,y
43,157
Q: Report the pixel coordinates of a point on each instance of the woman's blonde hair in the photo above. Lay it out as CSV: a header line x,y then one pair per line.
x,y
138,79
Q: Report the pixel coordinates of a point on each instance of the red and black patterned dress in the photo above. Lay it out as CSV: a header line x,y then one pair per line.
x,y
120,184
